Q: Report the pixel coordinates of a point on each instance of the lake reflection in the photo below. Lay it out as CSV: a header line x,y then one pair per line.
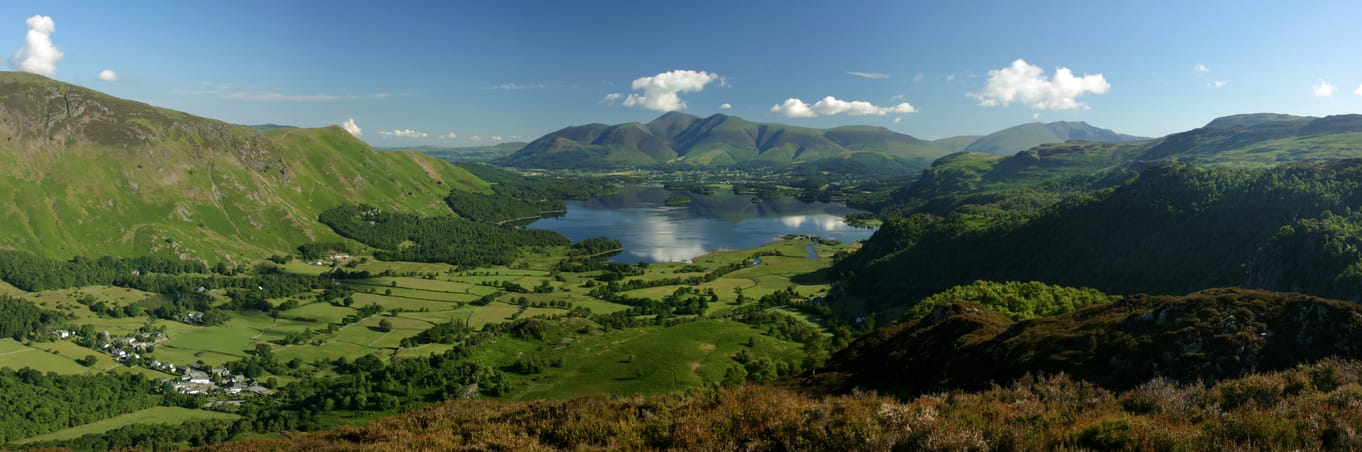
x,y
653,232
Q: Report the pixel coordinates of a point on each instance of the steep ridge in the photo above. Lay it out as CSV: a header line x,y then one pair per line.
x,y
90,174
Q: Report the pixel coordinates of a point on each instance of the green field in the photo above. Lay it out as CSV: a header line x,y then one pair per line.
x,y
15,355
376,267
646,360
153,415
320,312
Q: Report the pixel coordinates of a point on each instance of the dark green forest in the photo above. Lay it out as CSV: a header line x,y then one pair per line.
x,y
448,239
21,320
517,197
37,403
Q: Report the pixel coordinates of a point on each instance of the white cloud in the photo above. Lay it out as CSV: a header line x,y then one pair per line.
x,y
919,77
793,108
350,126
449,136
612,98
828,106
1358,91
403,133
1323,89
870,75
898,119
1025,83
1200,68
475,138
496,137
108,75
725,106
1219,84
659,92
950,77
38,55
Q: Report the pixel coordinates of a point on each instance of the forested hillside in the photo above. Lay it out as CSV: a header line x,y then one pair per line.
x,y
1173,229
1205,337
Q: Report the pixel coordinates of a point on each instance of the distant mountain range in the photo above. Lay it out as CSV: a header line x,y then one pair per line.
x,y
465,153
1256,140
681,139
89,174
720,140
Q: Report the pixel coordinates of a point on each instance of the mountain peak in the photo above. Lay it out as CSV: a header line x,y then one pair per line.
x,y
1026,136
672,116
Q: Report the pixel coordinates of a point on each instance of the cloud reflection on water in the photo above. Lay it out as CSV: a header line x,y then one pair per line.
x,y
651,232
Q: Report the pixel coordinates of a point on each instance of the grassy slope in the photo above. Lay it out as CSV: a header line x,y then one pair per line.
x,y
92,175
1280,150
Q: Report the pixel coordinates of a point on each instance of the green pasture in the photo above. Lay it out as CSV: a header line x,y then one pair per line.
x,y
643,360
15,355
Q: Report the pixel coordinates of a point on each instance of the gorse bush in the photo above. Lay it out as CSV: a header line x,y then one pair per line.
x,y
1274,411
1016,300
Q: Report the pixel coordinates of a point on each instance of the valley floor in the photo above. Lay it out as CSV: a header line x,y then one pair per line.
x,y
384,315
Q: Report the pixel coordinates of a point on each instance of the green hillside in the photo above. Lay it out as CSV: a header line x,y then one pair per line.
x,y
721,141
1042,175
90,174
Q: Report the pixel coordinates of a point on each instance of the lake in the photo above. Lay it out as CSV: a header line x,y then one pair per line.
x,y
653,232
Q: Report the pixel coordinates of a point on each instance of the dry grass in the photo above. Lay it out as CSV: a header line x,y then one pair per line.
x,y
1311,407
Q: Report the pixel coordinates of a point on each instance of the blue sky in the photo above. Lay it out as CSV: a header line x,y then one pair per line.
x,y
515,70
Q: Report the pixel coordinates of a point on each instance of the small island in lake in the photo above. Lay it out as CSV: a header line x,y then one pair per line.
x,y
677,201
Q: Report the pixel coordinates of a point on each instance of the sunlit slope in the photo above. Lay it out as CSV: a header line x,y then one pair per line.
x,y
85,173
